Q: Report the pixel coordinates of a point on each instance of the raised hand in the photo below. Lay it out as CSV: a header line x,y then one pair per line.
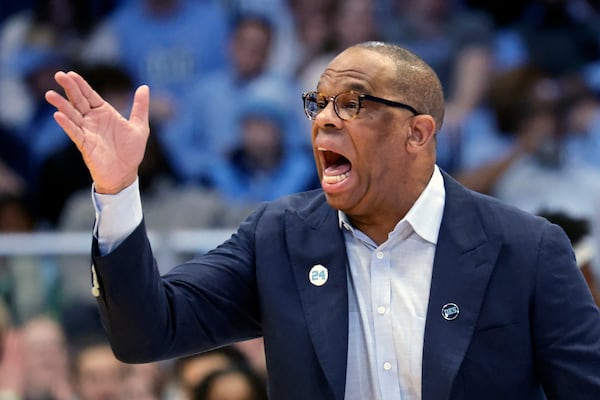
x,y
112,146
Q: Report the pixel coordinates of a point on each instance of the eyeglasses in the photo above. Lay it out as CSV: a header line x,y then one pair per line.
x,y
346,105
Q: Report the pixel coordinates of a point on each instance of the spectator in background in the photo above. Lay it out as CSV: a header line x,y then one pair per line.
x,y
283,49
526,149
206,125
539,175
98,375
262,165
144,382
232,383
36,64
353,22
313,31
487,145
167,44
47,367
579,232
191,370
541,123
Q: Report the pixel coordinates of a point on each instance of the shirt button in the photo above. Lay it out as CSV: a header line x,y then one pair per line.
x,y
380,255
387,366
381,310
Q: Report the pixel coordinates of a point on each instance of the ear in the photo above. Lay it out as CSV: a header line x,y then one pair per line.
x,y
421,133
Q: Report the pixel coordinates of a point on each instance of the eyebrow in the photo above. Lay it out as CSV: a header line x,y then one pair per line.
x,y
357,87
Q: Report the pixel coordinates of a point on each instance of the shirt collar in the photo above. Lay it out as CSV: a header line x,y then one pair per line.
x,y
425,216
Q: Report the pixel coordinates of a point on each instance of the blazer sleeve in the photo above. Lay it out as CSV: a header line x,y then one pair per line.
x,y
566,326
205,303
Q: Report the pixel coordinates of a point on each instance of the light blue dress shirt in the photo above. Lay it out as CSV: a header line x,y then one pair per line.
x,y
388,292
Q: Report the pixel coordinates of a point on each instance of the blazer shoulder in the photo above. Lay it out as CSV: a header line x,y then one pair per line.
x,y
498,219
269,217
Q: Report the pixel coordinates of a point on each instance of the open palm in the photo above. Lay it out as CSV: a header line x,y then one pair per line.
x,y
112,146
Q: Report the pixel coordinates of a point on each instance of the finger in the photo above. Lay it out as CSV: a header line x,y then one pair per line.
x,y
93,98
73,91
72,130
64,106
140,107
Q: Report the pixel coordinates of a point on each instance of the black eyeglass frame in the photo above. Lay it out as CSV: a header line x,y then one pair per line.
x,y
361,97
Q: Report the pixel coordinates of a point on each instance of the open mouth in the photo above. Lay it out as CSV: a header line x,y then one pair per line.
x,y
336,167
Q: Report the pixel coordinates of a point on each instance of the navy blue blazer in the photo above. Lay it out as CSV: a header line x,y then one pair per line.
x,y
527,322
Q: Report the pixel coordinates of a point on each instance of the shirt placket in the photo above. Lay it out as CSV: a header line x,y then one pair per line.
x,y
381,297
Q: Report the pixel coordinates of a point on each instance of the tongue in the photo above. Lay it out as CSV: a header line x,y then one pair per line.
x,y
339,169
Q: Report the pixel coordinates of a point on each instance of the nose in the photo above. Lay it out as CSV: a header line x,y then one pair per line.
x,y
328,117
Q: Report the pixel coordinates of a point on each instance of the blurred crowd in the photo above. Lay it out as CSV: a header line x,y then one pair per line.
x,y
44,360
522,85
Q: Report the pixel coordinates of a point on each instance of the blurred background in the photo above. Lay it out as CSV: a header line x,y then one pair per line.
x,y
522,85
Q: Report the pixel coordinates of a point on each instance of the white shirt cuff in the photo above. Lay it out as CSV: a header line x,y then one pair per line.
x,y
117,216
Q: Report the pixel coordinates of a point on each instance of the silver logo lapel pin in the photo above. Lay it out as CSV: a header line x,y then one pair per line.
x,y
450,311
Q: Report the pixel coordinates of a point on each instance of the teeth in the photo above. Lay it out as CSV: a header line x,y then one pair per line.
x,y
336,178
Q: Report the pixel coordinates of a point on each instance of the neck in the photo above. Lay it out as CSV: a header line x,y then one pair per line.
x,y
379,224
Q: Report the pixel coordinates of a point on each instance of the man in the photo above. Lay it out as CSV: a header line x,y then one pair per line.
x,y
97,374
391,282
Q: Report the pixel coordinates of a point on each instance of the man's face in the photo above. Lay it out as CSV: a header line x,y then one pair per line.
x,y
261,138
250,49
100,374
361,162
46,359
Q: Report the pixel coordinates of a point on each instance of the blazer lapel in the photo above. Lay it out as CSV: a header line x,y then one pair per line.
x,y
462,267
315,239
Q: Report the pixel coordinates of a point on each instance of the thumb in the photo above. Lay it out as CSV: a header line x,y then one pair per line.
x,y
141,106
